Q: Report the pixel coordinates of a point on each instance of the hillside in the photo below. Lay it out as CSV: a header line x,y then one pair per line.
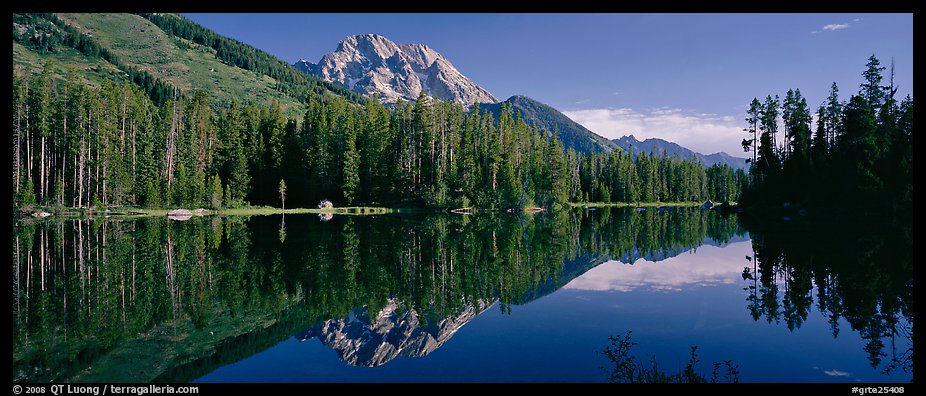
x,y
90,71
572,134
659,146
134,43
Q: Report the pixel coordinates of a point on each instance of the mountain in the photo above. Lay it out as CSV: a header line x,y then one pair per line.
x,y
658,146
395,331
571,133
371,64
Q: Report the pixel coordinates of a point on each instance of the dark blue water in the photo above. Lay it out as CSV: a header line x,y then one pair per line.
x,y
476,298
695,298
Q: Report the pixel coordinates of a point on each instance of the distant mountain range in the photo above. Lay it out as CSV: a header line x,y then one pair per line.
x,y
372,64
659,146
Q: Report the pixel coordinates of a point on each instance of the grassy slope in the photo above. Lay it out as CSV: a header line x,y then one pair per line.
x,y
67,61
139,43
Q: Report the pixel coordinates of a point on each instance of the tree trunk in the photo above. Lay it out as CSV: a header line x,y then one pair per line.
x,y
42,258
105,163
134,138
17,159
28,137
443,146
80,177
64,145
169,145
42,174
122,137
74,181
16,280
96,168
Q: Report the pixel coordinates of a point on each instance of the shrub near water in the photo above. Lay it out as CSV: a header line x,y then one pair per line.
x,y
631,369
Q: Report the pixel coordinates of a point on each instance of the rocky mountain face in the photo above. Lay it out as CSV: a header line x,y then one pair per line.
x,y
364,340
659,146
371,64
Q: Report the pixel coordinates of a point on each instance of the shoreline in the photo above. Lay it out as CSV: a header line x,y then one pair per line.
x,y
132,212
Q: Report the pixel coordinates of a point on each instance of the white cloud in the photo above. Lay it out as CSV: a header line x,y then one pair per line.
x,y
706,266
836,26
836,373
582,101
704,133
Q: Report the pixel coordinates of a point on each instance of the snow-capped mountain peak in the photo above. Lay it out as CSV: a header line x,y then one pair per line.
x,y
372,64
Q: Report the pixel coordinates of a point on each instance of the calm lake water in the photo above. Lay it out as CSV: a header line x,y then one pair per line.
x,y
481,298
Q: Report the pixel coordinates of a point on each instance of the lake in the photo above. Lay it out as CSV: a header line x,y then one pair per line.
x,y
458,298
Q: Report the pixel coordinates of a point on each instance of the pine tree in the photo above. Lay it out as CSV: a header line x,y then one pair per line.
x,y
350,183
820,147
797,122
215,200
753,126
832,122
860,148
152,195
282,191
871,89
559,171
768,162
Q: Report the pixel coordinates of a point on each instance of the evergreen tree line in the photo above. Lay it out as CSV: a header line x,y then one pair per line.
x,y
620,176
82,146
860,153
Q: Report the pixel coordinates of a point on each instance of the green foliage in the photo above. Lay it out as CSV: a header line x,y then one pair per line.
x,y
351,169
152,195
26,196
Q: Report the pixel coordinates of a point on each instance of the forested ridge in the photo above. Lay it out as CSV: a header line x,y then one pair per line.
x,y
860,154
141,142
233,52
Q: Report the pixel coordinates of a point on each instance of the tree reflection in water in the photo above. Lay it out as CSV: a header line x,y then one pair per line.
x,y
861,270
137,300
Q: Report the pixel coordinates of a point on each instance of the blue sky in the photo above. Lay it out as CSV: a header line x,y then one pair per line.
x,y
683,77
